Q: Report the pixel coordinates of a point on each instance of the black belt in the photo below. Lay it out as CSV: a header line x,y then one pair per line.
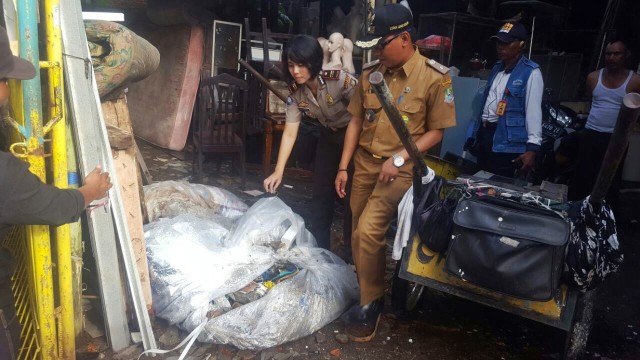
x,y
490,124
335,130
375,156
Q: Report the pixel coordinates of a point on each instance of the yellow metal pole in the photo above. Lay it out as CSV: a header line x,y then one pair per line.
x,y
53,35
39,239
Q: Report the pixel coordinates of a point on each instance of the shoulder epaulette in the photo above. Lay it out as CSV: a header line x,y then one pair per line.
x,y
370,64
331,74
293,87
439,67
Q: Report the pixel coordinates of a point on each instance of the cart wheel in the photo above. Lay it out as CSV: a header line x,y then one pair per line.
x,y
576,340
405,295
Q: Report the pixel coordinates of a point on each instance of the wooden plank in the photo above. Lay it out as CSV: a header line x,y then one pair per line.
x,y
146,175
118,139
116,116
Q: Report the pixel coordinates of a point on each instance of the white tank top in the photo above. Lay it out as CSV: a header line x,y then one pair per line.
x,y
606,105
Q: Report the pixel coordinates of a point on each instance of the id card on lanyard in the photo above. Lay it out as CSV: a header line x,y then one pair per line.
x,y
502,104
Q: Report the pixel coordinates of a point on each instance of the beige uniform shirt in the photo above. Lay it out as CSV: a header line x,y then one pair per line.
x,y
423,94
335,88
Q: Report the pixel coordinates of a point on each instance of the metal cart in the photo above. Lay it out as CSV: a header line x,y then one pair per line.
x,y
422,269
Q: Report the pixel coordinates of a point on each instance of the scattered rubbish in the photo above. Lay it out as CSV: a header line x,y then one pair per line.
x,y
136,337
410,341
342,338
167,199
388,338
253,192
336,352
170,337
321,338
287,186
369,337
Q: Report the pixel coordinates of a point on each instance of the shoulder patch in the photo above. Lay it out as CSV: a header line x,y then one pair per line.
x,y
349,82
370,64
439,67
331,74
293,87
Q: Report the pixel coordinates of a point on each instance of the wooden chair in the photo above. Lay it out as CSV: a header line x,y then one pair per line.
x,y
220,120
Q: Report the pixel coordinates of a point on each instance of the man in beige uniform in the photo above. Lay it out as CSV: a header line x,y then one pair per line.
x,y
422,92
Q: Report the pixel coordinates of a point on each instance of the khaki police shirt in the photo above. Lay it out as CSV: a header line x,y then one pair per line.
x,y
335,88
422,93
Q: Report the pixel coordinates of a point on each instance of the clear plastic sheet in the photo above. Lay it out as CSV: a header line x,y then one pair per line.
x,y
171,198
190,266
270,222
195,263
294,308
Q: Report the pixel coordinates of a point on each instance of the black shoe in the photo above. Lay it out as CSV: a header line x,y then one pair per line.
x,y
363,314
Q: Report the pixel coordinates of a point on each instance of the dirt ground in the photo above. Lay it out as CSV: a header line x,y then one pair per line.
x,y
445,327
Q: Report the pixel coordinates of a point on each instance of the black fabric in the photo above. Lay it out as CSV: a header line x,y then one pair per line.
x,y
433,223
495,163
328,153
424,197
593,251
25,200
507,247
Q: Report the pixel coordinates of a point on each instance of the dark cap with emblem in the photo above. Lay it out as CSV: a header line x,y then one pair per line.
x,y
13,67
388,20
510,32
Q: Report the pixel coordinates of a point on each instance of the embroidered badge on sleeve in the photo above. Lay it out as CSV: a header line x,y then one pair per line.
x,y
448,94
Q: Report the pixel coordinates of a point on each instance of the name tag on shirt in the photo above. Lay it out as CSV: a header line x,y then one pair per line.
x,y
502,106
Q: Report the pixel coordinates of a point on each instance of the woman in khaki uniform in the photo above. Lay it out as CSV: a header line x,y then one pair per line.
x,y
324,96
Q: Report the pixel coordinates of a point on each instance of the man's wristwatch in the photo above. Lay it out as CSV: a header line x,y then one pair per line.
x,y
397,160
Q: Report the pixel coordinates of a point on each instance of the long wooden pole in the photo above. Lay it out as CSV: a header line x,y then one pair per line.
x,y
628,116
264,81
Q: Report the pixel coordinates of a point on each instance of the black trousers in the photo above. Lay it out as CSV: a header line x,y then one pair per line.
x,y
496,163
328,154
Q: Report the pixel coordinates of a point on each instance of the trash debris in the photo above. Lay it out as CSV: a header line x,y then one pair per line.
x,y
258,282
253,192
171,198
336,352
342,338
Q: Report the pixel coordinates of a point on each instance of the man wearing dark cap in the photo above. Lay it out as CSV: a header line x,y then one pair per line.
x,y
423,94
24,199
508,133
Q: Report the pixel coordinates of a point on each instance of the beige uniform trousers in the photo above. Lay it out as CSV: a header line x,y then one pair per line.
x,y
374,205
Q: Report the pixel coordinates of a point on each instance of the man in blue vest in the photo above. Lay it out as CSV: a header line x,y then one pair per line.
x,y
508,132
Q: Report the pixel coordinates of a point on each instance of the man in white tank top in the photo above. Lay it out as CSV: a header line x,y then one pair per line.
x,y
606,87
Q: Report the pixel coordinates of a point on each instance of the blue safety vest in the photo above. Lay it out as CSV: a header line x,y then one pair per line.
x,y
511,134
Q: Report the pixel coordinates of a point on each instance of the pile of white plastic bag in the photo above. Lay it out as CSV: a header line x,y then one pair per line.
x,y
200,258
